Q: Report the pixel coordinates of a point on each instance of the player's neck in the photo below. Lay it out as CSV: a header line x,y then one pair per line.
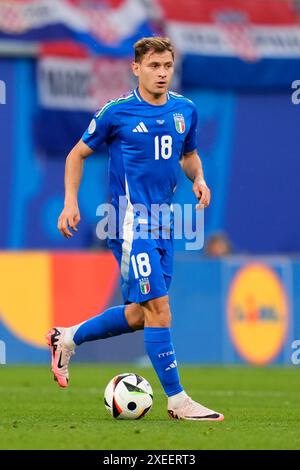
x,y
156,99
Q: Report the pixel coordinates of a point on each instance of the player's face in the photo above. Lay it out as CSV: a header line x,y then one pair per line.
x,y
155,72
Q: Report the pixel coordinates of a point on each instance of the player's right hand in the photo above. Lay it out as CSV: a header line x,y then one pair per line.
x,y
68,219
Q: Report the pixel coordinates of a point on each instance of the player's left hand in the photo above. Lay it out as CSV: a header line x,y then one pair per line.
x,y
202,193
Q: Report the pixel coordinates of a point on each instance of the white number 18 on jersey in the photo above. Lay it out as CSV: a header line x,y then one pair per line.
x,y
163,147
141,265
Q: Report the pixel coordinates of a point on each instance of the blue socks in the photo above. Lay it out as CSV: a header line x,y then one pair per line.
x,y
112,322
161,353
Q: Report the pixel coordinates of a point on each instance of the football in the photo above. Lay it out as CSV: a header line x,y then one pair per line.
x,y
128,396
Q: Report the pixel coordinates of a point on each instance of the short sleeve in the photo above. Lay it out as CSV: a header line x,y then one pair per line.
x,y
190,142
100,128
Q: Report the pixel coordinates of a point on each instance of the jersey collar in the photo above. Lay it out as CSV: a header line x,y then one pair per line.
x,y
141,100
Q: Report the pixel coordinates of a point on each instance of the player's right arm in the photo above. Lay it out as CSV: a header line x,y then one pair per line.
x,y
99,130
70,215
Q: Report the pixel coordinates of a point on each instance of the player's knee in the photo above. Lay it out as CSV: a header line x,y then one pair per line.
x,y
139,321
157,313
162,317
135,316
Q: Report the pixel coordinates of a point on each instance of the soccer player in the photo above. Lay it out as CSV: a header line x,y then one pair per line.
x,y
150,133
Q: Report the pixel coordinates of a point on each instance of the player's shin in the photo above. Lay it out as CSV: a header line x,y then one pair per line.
x,y
112,322
161,352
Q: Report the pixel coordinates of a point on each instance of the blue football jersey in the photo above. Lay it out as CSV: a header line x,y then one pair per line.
x,y
145,143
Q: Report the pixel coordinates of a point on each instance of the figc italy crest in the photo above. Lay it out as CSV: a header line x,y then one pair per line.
x,y
179,123
145,285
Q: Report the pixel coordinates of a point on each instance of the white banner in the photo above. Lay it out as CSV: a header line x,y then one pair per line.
x,y
81,84
244,41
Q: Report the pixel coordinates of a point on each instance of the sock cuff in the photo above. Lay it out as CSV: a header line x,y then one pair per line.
x,y
125,322
157,335
118,317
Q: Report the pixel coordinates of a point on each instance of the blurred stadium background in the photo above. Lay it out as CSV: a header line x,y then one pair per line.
x,y
236,301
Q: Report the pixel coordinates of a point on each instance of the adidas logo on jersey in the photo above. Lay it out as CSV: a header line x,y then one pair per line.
x,y
140,128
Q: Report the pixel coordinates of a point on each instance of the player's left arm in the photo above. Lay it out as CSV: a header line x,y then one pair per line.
x,y
191,164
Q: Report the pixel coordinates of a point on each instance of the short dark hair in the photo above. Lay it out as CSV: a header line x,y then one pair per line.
x,y
157,44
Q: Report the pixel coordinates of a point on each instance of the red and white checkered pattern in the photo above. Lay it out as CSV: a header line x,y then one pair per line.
x,y
239,38
12,17
100,26
236,29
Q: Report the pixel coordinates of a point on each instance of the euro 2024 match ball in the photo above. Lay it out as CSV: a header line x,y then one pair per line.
x,y
128,396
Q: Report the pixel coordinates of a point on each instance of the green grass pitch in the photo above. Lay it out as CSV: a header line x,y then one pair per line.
x,y
261,408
